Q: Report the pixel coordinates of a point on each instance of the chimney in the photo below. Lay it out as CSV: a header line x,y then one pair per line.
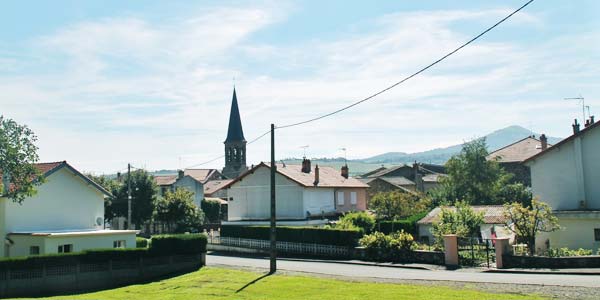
x,y
5,182
305,165
345,171
119,176
180,174
316,174
544,141
587,123
592,120
575,127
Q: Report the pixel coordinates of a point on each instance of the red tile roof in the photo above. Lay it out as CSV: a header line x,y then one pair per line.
x,y
518,151
213,186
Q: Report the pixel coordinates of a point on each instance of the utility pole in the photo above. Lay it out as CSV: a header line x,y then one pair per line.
x,y
273,229
128,196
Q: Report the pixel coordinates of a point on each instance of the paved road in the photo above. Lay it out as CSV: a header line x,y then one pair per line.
x,y
340,269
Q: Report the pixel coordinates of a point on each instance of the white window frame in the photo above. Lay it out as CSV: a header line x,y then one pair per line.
x,y
353,198
66,248
340,198
120,244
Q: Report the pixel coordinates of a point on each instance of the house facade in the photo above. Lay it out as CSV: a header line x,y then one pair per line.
x,y
302,193
566,176
193,180
419,177
65,215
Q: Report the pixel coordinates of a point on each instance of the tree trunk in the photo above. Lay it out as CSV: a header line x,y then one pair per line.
x,y
531,246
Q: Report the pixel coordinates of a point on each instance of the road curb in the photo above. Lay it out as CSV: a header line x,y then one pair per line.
x,y
595,273
359,263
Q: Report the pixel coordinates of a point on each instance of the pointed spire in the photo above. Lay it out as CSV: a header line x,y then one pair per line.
x,y
235,133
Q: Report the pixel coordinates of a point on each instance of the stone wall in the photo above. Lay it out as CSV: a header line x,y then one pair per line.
x,y
511,261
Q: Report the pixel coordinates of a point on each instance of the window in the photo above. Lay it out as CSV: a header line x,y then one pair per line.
x,y
353,198
119,244
597,234
340,198
68,248
34,250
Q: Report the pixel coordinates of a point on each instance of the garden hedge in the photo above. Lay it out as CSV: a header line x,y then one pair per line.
x,y
409,225
312,235
161,245
169,244
141,242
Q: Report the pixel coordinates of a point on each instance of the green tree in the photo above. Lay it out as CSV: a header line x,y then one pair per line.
x,y
113,187
461,220
478,181
18,153
397,204
177,211
527,221
212,210
143,198
359,220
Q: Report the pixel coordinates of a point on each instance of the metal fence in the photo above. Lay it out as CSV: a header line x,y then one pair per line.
x,y
284,247
476,252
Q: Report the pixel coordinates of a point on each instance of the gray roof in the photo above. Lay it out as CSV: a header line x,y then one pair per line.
x,y
492,214
235,133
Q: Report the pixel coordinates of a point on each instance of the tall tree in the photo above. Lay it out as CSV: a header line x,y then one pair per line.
x,y
461,220
18,153
178,212
396,204
143,199
475,179
527,221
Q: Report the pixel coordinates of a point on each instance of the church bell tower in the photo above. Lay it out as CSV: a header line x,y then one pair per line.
x,y
235,144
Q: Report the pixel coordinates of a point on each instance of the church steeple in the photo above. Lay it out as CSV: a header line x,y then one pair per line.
x,y
235,131
235,143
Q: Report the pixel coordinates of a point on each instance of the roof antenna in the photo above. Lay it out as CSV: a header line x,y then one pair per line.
x,y
304,150
345,159
582,101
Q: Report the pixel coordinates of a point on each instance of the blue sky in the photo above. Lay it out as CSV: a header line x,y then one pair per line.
x,y
104,83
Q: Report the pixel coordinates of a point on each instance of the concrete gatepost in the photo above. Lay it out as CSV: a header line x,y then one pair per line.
x,y
451,250
502,246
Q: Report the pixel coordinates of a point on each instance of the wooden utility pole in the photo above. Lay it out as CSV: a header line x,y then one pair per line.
x,y
273,228
128,196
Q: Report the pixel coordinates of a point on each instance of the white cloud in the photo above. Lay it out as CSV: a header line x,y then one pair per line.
x,y
135,91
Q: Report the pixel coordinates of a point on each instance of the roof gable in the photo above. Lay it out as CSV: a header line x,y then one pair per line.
x,y
518,151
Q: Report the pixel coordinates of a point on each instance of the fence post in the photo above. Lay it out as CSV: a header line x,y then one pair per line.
x,y
451,250
502,247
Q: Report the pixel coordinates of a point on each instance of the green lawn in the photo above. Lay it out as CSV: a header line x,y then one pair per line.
x,y
216,283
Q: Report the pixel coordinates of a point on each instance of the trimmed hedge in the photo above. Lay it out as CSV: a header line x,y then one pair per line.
x,y
409,225
169,244
141,242
312,235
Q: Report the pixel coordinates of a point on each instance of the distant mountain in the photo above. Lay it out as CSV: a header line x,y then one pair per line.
x,y
495,140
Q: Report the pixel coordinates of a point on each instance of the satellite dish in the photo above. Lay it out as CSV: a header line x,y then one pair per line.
x,y
99,221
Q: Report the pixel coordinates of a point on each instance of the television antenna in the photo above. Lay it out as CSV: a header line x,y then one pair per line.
x,y
582,101
345,159
304,150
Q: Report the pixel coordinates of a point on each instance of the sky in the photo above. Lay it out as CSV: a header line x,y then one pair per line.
x,y
106,83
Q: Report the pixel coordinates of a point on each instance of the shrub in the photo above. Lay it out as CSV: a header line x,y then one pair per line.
x,y
402,241
395,246
212,210
141,242
169,244
326,236
376,245
566,252
357,220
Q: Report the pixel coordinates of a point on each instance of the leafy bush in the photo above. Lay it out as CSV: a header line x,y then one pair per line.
x,y
357,220
212,210
141,242
169,244
461,220
382,247
326,236
566,252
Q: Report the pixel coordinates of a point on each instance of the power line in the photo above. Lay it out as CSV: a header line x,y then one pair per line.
x,y
221,156
409,77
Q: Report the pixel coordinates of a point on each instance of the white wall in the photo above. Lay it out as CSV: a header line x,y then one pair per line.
x,y
318,200
64,202
250,198
49,244
559,180
577,231
193,186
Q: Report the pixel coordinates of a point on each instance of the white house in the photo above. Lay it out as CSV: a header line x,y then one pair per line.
x,y
567,177
493,222
302,193
65,215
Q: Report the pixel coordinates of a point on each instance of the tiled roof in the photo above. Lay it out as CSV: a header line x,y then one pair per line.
x,y
492,214
165,180
398,180
328,177
518,151
388,170
213,186
199,174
